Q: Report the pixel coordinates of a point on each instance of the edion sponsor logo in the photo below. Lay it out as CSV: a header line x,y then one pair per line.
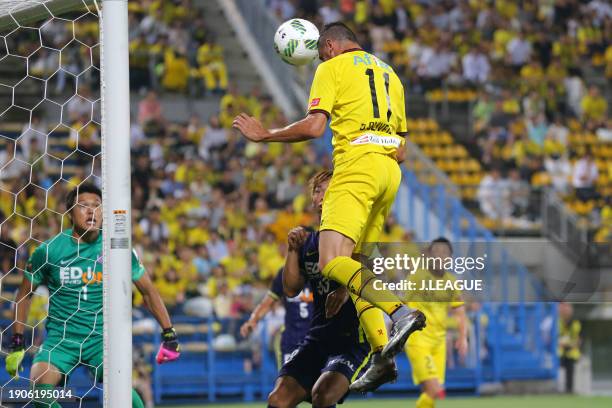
x,y
75,275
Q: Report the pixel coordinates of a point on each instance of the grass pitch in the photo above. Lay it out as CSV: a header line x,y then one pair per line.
x,y
540,401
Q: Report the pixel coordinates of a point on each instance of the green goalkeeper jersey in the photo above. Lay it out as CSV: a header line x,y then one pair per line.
x,y
73,273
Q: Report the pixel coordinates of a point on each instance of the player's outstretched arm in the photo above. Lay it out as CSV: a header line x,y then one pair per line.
x,y
293,280
17,347
259,312
311,127
169,350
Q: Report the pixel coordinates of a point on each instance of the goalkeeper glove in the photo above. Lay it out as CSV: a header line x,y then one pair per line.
x,y
15,356
169,350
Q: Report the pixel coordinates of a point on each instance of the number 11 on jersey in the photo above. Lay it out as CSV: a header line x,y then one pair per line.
x,y
370,73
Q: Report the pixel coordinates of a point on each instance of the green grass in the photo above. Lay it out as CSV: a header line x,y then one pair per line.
x,y
543,401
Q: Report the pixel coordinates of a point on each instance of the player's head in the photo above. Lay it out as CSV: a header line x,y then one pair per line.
x,y
84,207
334,39
318,185
439,249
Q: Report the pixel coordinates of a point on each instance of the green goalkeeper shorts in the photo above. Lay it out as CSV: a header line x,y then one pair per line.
x,y
66,354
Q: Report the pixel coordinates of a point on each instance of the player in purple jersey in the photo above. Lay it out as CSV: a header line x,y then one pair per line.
x,y
335,349
298,313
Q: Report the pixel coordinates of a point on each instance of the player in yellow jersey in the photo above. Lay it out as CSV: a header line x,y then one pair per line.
x,y
426,350
364,99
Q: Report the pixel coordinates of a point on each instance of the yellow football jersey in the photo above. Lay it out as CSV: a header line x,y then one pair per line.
x,y
435,304
364,99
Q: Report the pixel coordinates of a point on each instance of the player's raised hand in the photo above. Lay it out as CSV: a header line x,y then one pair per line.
x,y
15,356
334,301
250,127
296,238
169,350
247,328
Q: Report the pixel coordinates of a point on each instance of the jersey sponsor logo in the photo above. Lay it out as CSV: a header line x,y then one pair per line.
x,y
369,138
65,262
74,275
304,296
315,102
368,59
312,269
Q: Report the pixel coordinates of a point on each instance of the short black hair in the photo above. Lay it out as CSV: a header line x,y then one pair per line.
x,y
71,197
336,31
442,240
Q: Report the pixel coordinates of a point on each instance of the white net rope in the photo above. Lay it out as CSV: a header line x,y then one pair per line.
x,y
49,145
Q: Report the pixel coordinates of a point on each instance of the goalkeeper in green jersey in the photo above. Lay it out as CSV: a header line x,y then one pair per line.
x,y
70,265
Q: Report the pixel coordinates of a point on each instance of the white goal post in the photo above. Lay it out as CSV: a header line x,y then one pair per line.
x,y
115,145
117,227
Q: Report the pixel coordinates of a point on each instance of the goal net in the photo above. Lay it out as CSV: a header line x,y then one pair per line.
x,y
53,127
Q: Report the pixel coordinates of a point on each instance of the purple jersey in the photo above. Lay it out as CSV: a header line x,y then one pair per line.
x,y
345,323
298,313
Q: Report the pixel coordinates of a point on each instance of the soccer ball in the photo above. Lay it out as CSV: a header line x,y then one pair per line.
x,y
296,41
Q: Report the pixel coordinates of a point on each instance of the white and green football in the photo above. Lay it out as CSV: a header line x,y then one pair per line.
x,y
296,40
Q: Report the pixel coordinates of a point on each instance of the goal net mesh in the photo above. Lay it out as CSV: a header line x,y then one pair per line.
x,y
49,144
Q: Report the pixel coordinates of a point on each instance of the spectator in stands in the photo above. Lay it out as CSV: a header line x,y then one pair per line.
x,y
476,67
175,71
80,104
213,140
211,66
171,287
32,139
329,12
560,170
519,192
434,63
575,91
380,29
140,73
519,51
482,112
569,343
153,226
493,196
150,114
537,129
584,177
217,248
594,108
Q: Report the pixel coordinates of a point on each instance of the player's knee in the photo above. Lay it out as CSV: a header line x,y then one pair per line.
x,y
279,399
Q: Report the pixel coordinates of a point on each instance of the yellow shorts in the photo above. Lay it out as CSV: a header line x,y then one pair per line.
x,y
359,197
427,361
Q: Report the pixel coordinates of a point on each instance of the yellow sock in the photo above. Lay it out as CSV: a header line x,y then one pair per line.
x,y
425,401
372,321
360,281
